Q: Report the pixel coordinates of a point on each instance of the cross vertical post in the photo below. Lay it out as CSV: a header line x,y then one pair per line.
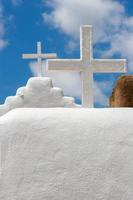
x,y
86,57
87,85
39,52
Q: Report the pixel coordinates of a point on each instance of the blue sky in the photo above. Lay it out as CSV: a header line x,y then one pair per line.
x,y
56,24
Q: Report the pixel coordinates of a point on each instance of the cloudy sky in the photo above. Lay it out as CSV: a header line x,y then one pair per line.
x,y
56,24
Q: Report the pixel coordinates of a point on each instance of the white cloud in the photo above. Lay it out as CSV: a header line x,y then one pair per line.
x,y
99,88
99,97
4,21
70,83
108,17
122,44
3,41
71,46
69,15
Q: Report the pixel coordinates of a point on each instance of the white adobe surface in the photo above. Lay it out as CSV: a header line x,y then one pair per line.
x,y
38,93
66,154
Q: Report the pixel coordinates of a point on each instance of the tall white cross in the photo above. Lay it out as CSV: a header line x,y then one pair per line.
x,y
39,56
87,65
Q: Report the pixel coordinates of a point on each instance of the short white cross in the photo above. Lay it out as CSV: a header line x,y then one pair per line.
x,y
39,56
87,65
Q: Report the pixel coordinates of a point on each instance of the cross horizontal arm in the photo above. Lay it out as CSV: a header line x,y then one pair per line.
x,y
29,56
34,56
109,65
49,55
64,65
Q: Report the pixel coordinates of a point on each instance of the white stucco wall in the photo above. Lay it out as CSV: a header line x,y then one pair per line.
x,y
66,154
38,93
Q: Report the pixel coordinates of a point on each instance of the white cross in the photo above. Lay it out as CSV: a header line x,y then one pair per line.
x,y
39,56
87,65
